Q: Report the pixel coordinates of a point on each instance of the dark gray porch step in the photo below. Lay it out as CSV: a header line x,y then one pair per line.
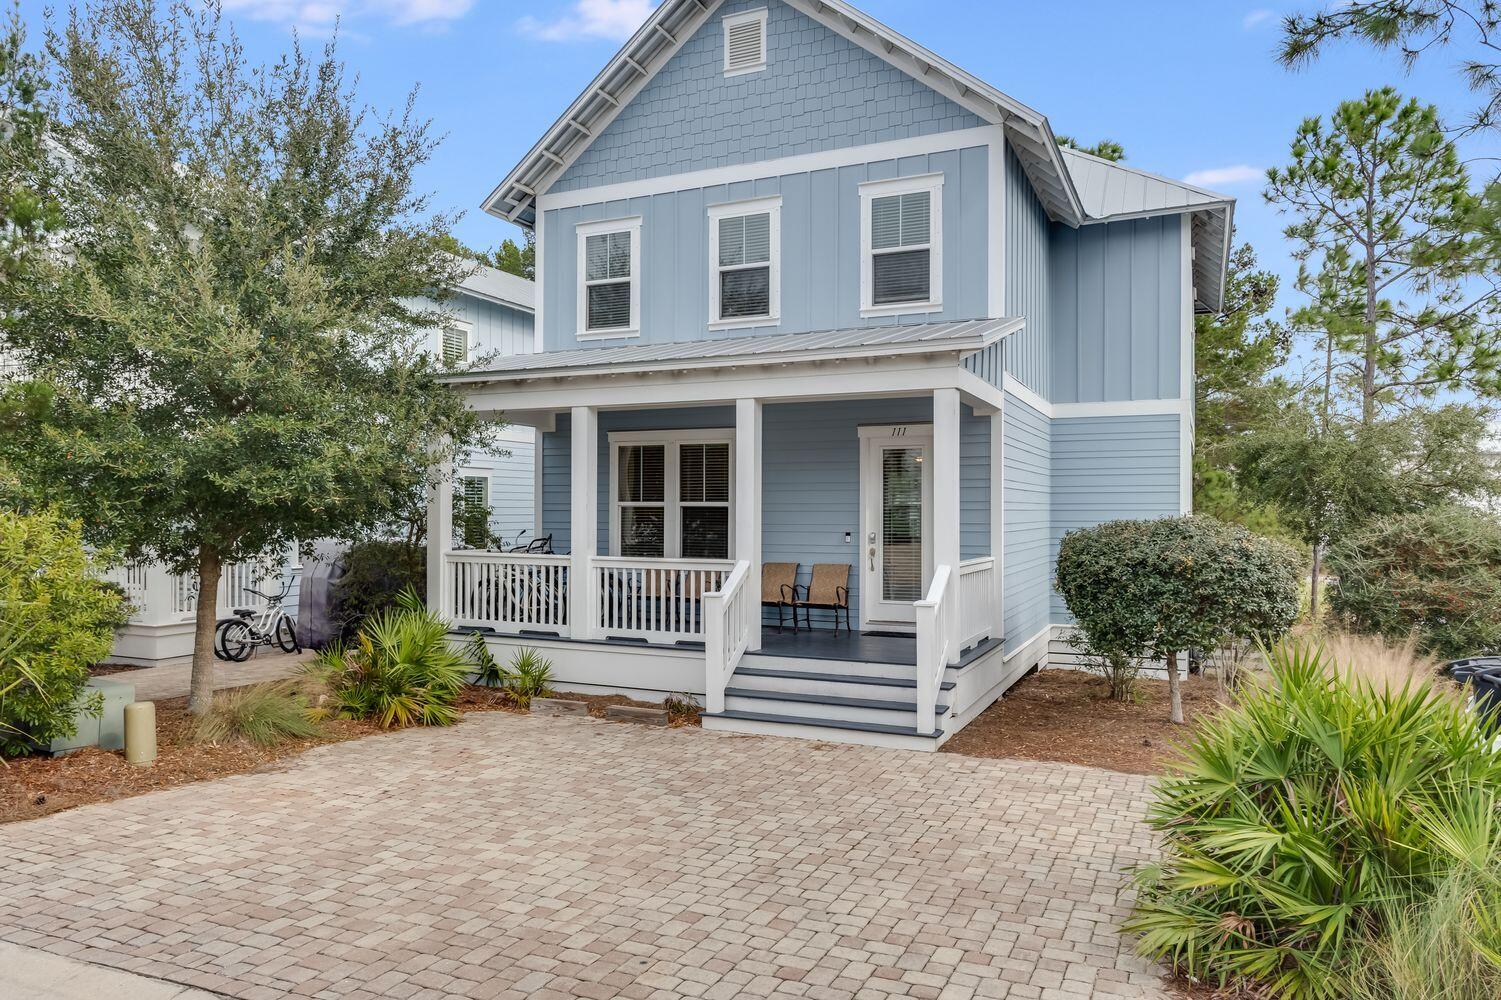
x,y
793,720
807,675
818,699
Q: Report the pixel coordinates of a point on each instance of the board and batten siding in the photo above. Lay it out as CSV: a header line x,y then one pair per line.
x,y
819,92
1028,523
810,476
820,251
1028,354
1112,468
1117,311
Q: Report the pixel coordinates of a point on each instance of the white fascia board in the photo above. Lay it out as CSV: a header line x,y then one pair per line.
x,y
1159,212
1106,408
802,163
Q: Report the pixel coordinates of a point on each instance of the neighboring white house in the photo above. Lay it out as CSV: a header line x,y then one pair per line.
x,y
491,317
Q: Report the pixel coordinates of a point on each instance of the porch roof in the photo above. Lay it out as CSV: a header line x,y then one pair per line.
x,y
787,348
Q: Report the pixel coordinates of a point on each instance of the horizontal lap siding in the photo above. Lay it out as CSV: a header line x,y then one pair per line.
x,y
819,92
511,470
1028,522
1112,468
820,264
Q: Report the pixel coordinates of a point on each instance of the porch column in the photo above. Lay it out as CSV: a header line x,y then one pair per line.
x,y
946,504
440,536
584,530
748,503
998,522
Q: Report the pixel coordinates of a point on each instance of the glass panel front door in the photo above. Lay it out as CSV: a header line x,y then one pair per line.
x,y
896,489
901,524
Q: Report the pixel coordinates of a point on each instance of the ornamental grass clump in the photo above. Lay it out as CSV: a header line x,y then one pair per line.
x,y
401,670
266,715
1297,822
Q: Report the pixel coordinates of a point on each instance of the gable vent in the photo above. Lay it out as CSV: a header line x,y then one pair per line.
x,y
745,42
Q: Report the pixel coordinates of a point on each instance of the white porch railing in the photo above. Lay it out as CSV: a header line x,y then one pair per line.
x,y
935,631
158,597
508,591
976,600
659,600
727,625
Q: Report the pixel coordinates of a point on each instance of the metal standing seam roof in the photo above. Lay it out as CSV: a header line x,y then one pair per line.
x,y
878,341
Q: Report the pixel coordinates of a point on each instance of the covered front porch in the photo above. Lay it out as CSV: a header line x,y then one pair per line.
x,y
671,521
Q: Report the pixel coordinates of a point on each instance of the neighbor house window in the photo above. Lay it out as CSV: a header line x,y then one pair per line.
x,y
609,262
902,240
745,263
673,494
456,344
745,42
473,521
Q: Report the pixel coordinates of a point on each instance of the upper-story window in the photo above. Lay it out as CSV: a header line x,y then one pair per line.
x,y
745,267
609,263
456,345
902,246
745,42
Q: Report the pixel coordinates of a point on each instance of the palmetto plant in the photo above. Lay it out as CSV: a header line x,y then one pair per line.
x,y
530,676
1297,820
401,670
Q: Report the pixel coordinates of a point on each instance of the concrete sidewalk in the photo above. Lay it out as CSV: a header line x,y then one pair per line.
x,y
37,975
171,680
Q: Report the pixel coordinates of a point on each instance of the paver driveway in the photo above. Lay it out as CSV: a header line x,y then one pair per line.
x,y
518,856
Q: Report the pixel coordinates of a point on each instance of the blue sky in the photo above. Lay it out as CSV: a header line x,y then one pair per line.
x,y
1190,88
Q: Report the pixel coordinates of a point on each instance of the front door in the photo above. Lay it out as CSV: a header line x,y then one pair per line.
x,y
896,493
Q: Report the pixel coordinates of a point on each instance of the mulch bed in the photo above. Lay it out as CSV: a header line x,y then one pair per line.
x,y
109,669
1067,716
32,787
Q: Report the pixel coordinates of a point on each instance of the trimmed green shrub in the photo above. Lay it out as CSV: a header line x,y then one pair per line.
x,y
1152,589
1434,575
56,619
376,573
401,670
1300,819
264,714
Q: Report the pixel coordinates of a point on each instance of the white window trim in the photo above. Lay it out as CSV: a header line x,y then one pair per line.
x,y
487,479
871,190
731,20
672,531
771,206
582,232
463,326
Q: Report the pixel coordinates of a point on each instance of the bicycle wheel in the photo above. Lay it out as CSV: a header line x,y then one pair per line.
x,y
237,641
224,623
286,636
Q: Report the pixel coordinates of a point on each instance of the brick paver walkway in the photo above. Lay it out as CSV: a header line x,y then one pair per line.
x,y
529,857
171,680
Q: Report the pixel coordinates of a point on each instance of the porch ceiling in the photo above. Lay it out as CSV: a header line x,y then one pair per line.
x,y
788,348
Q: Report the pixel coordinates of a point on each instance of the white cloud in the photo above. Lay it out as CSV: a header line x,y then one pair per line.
x,y
614,20
1259,16
318,16
1216,177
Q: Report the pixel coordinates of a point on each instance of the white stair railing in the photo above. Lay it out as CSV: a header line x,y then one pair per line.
x,y
727,626
659,600
976,600
935,629
508,591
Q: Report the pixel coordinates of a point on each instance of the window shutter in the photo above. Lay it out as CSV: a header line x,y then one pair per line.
x,y
455,346
744,44
476,525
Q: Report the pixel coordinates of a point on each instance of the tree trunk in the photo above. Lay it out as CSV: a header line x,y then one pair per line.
x,y
1313,583
201,689
1174,689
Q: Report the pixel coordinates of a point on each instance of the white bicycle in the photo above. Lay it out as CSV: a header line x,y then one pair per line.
x,y
241,635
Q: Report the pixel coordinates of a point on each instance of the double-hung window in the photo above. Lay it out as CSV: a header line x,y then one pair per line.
x,y
609,264
745,266
473,497
673,494
902,244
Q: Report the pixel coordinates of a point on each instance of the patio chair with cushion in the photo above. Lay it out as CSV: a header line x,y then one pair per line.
x,y
829,591
778,587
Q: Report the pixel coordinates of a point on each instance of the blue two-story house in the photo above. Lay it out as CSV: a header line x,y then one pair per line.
x,y
816,307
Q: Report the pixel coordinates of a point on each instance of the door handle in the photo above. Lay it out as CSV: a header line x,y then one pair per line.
x,y
872,559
